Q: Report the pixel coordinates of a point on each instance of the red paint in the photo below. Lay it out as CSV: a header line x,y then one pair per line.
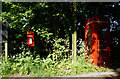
x,y
97,40
30,38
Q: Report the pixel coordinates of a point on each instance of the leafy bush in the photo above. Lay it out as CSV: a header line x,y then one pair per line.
x,y
56,63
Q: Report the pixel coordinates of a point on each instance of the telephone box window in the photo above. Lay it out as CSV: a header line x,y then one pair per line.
x,y
104,29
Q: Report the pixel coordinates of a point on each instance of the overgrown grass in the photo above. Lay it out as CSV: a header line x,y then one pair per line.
x,y
25,64
59,63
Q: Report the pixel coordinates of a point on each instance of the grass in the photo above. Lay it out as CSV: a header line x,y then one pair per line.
x,y
26,65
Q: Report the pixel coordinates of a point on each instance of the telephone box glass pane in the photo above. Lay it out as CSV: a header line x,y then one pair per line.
x,y
102,39
103,34
105,29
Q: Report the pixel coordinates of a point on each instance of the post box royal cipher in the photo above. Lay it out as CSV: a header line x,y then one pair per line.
x,y
30,38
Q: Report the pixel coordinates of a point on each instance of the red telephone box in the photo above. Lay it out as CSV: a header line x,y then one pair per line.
x,y
97,41
30,38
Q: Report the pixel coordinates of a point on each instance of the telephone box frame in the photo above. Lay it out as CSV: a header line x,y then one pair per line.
x,y
97,45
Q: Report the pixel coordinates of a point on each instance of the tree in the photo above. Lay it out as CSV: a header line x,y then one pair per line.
x,y
51,21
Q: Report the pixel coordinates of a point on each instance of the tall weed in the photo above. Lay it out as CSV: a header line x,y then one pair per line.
x,y
56,64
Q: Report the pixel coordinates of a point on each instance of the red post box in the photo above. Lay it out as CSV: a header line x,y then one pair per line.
x,y
30,38
97,41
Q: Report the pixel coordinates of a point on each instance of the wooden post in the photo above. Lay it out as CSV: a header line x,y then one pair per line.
x,y
72,47
6,50
74,35
6,45
0,46
0,38
0,29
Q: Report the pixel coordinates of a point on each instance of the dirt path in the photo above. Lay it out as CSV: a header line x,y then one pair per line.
x,y
98,74
92,74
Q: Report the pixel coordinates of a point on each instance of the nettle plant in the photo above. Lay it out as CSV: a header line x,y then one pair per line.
x,y
56,63
60,50
81,47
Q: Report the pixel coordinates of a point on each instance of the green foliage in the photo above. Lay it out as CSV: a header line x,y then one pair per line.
x,y
52,24
42,32
49,20
48,67
59,49
20,64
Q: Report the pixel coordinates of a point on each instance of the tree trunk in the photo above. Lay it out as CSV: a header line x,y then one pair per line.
x,y
74,35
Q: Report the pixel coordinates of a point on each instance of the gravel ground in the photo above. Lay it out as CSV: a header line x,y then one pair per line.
x,y
92,74
96,74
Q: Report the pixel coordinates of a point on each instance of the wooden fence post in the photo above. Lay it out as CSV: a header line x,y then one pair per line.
x,y
6,50
74,35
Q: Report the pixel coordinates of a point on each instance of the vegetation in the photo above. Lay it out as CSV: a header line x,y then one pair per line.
x,y
25,64
53,26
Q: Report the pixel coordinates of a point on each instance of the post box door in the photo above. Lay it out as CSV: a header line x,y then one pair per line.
x,y
30,38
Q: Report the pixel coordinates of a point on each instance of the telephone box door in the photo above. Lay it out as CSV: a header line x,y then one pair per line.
x,y
97,41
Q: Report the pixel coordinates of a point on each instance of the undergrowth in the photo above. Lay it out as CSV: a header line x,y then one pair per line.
x,y
46,67
56,64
